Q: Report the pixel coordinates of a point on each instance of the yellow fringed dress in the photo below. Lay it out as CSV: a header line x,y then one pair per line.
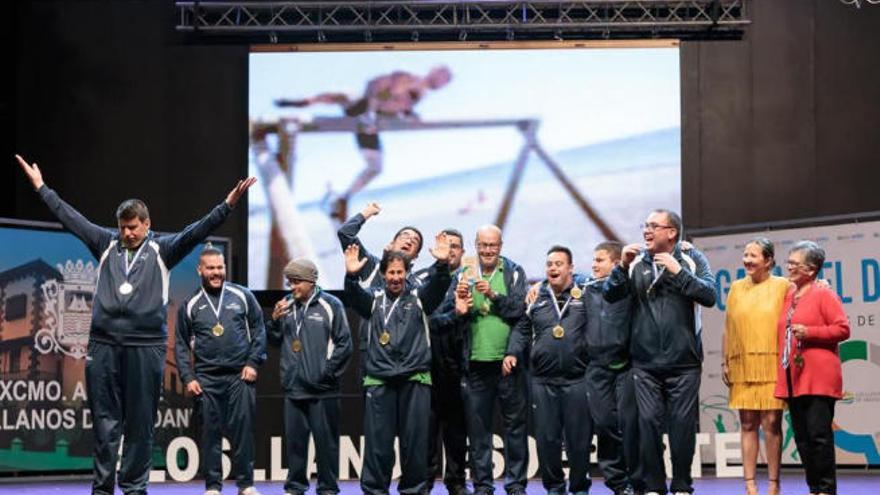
x,y
750,342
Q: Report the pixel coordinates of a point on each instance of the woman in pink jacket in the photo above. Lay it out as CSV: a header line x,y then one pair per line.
x,y
809,376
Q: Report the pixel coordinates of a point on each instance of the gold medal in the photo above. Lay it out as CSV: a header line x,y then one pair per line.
x,y
384,338
217,330
558,332
296,345
484,308
126,288
577,293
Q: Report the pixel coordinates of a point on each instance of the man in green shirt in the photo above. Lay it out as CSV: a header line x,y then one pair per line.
x,y
489,303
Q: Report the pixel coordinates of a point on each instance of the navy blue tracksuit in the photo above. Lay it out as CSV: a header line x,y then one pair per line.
x,y
397,357
557,362
316,346
666,352
227,403
447,432
609,387
127,338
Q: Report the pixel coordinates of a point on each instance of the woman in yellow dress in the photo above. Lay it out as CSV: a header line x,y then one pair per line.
x,y
750,359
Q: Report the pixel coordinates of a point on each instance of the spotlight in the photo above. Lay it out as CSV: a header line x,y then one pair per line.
x,y
368,37
415,36
558,35
273,38
321,37
462,36
510,35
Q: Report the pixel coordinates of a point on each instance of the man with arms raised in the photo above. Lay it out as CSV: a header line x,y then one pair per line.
x,y
128,330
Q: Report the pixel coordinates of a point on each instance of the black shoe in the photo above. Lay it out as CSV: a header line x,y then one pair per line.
x,y
458,490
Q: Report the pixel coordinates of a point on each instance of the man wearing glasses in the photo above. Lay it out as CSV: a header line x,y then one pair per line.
x,y
407,240
488,304
667,284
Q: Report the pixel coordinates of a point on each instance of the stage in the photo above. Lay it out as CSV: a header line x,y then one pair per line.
x,y
848,483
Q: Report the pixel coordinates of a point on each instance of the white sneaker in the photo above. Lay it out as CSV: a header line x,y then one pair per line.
x,y
212,492
681,493
248,491
652,493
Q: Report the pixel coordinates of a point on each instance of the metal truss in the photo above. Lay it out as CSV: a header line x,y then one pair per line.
x,y
486,20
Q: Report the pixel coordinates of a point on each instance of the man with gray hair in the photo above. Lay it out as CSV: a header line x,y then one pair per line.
x,y
489,300
311,327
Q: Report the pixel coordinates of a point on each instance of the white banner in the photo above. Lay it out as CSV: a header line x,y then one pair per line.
x,y
853,269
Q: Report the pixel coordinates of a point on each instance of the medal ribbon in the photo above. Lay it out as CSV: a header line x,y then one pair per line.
x,y
559,312
128,265
298,322
386,316
789,334
219,302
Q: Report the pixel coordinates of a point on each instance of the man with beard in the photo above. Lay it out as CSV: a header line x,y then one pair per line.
x,y
128,334
222,325
667,285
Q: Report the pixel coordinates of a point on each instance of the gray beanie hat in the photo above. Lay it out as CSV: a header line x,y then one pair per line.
x,y
301,269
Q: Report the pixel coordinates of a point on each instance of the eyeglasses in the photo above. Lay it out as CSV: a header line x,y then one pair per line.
x,y
795,264
489,246
654,226
407,236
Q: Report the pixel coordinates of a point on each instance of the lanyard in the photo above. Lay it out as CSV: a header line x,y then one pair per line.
x,y
786,353
128,265
298,322
219,307
559,312
386,316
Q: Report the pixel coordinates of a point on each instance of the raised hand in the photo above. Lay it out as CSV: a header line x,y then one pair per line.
x,y
32,171
667,260
629,253
372,209
440,251
353,262
238,191
532,294
463,303
281,308
483,287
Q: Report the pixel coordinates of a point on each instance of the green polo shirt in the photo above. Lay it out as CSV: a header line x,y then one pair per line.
x,y
489,331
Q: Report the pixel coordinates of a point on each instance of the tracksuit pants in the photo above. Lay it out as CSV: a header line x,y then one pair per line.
x,y
398,409
481,386
667,399
320,419
615,420
559,419
447,431
227,405
123,384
